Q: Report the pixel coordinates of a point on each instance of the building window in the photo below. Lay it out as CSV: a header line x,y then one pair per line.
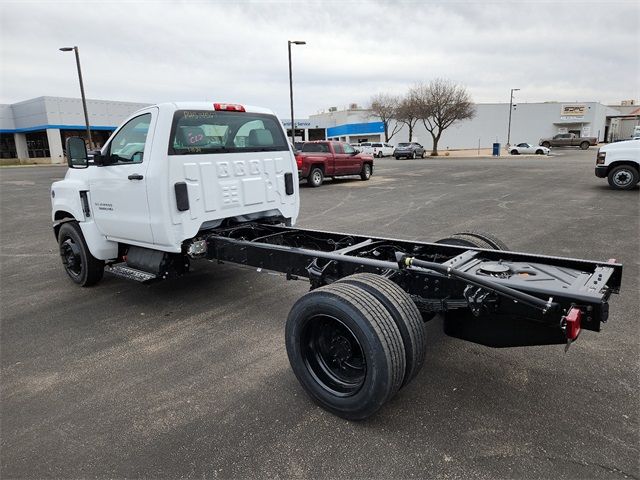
x,y
7,146
37,144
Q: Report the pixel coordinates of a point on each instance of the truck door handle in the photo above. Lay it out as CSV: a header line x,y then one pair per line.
x,y
135,176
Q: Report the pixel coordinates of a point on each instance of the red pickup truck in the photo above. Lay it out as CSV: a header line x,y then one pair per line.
x,y
321,159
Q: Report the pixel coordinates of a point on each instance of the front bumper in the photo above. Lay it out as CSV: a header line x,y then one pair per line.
x,y
602,171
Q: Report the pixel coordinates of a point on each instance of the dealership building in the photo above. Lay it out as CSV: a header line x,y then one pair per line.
x,y
529,123
34,131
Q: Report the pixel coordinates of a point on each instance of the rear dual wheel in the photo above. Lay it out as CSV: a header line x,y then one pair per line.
x,y
474,238
353,344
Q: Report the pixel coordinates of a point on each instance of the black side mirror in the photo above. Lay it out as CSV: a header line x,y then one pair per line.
x,y
77,153
97,157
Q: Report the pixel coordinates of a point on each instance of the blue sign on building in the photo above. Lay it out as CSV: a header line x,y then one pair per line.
x,y
356,129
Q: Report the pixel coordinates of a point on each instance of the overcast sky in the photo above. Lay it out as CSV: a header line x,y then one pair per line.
x,y
147,51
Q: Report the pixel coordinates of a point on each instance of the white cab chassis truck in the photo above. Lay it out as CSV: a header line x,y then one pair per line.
x,y
179,182
619,163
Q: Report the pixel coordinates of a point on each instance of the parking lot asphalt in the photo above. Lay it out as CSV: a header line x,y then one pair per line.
x,y
190,378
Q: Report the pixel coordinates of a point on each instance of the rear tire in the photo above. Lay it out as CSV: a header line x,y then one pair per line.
x,y
316,177
379,155
345,350
623,177
584,145
365,174
82,267
475,239
404,313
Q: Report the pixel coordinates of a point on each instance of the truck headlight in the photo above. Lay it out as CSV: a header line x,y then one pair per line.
x,y
600,157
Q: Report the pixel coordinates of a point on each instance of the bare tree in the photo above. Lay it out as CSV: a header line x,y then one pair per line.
x,y
440,104
385,106
408,113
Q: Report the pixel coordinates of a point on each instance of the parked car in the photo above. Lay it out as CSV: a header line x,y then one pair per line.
x,y
619,163
321,159
528,148
409,150
568,140
381,149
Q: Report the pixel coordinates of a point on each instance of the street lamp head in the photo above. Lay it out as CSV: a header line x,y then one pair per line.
x,y
515,89
66,49
298,42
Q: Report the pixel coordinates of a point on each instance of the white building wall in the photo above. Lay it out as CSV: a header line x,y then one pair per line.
x,y
55,145
529,123
6,118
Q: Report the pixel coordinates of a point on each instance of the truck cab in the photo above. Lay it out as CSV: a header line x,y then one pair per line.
x,y
172,170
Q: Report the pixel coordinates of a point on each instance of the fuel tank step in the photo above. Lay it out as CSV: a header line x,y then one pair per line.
x,y
124,271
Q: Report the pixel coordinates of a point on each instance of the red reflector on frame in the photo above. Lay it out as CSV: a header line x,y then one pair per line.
x,y
572,320
229,107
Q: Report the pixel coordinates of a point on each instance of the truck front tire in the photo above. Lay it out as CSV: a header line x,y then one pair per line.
x,y
345,350
546,144
365,174
404,313
82,267
623,177
316,177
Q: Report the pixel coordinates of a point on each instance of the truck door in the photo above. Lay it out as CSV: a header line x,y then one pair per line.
x,y
118,189
352,164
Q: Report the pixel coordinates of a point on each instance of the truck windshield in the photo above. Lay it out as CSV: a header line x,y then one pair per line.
x,y
207,131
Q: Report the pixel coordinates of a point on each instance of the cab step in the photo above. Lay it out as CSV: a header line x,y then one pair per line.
x,y
124,271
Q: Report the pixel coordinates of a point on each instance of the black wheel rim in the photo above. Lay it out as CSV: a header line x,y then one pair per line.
x,y
333,355
71,259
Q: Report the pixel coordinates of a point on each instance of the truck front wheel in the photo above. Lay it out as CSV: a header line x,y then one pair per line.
x,y
82,267
316,177
623,177
365,174
546,144
345,350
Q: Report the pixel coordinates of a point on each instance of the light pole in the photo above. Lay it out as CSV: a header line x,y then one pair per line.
x,y
293,127
84,100
510,110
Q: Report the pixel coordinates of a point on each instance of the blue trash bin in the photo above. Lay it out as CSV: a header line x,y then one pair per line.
x,y
496,149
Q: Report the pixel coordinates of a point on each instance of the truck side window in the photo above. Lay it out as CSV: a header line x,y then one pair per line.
x,y
348,149
337,147
128,144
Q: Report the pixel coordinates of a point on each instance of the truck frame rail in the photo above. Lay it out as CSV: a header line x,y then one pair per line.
x,y
438,277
